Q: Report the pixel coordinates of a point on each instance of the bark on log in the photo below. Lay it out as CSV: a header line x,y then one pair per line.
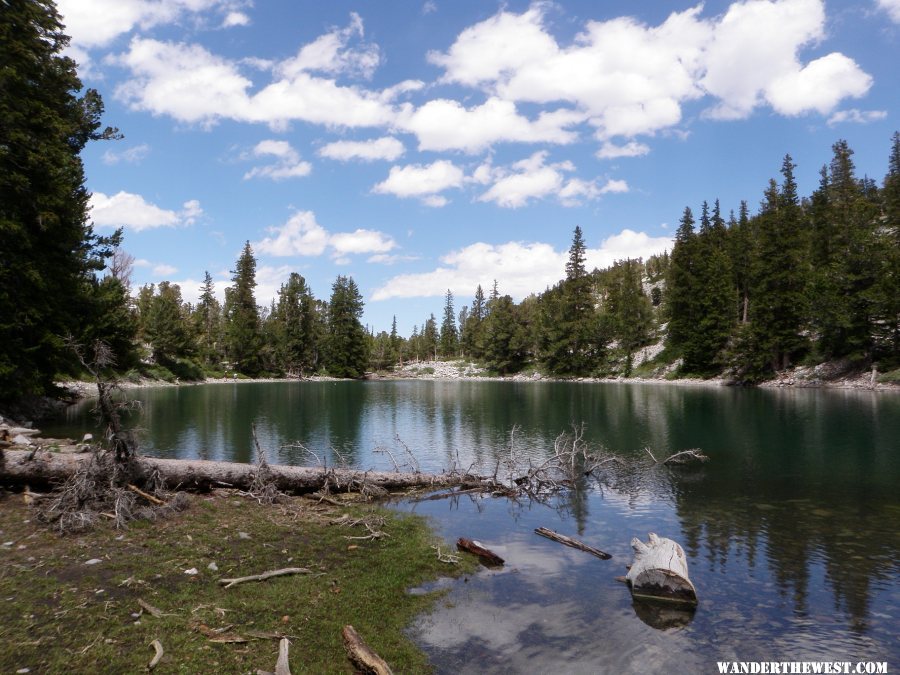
x,y
362,654
488,557
574,543
48,468
659,572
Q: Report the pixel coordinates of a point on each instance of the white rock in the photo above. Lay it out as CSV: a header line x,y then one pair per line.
x,y
21,440
212,567
93,561
193,571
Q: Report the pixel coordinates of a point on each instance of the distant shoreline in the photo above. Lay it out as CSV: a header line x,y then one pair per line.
x,y
859,382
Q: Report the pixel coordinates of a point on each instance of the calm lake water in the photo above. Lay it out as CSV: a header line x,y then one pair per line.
x,y
792,530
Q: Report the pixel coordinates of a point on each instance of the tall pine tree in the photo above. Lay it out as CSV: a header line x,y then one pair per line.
x,y
243,338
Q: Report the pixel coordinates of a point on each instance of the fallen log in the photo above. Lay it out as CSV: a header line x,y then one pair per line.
x,y
659,572
228,583
574,543
487,556
46,469
362,654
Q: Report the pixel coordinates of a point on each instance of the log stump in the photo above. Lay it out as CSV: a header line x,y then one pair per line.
x,y
659,572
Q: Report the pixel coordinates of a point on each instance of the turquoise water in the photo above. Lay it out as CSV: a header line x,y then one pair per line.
x,y
791,529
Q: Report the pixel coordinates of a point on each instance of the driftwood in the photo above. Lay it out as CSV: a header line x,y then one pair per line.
x,y
362,655
228,583
150,609
574,543
158,648
47,468
282,667
150,498
488,557
659,572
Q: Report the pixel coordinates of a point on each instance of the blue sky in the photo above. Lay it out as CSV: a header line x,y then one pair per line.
x,y
420,146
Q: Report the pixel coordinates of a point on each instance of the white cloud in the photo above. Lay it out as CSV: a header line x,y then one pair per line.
x,y
443,124
361,241
892,7
164,270
132,155
533,179
856,116
631,79
193,85
819,86
388,148
132,211
429,7
521,268
631,149
422,181
302,235
744,71
288,165
96,23
330,53
385,259
615,186
233,19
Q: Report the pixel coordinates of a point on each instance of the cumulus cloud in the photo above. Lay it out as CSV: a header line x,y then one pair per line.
x,y
892,7
288,164
630,78
855,116
422,181
132,155
387,148
524,268
444,124
532,178
631,149
233,19
333,53
132,211
302,235
193,85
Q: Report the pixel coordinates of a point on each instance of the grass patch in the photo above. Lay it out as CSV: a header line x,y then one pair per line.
x,y
890,377
59,614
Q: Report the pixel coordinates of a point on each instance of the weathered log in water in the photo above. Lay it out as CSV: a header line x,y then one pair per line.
x,y
659,571
49,468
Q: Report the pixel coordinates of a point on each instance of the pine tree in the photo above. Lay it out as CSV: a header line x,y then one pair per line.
x,y
888,304
473,330
504,338
780,274
626,310
449,340
207,321
167,326
572,344
347,342
242,332
429,338
293,330
682,286
51,256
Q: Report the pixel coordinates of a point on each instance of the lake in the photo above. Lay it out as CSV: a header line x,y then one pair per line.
x,y
792,529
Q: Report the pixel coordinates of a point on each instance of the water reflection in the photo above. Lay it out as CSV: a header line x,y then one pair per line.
x,y
790,529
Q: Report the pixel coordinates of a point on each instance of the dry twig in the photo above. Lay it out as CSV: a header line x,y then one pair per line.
x,y
228,583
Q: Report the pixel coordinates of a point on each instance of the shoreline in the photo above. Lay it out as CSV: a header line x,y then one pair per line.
x,y
860,382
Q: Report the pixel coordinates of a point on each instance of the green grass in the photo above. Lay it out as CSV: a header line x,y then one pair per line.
x,y
59,614
890,377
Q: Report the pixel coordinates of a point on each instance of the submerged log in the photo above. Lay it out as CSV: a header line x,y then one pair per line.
x,y
487,556
49,468
659,572
574,543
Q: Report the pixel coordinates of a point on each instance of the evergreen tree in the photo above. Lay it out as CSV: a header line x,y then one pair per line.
x,y
50,254
207,322
473,330
293,325
396,344
449,336
572,344
887,307
777,311
626,310
347,342
682,286
429,339
166,326
504,339
242,332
